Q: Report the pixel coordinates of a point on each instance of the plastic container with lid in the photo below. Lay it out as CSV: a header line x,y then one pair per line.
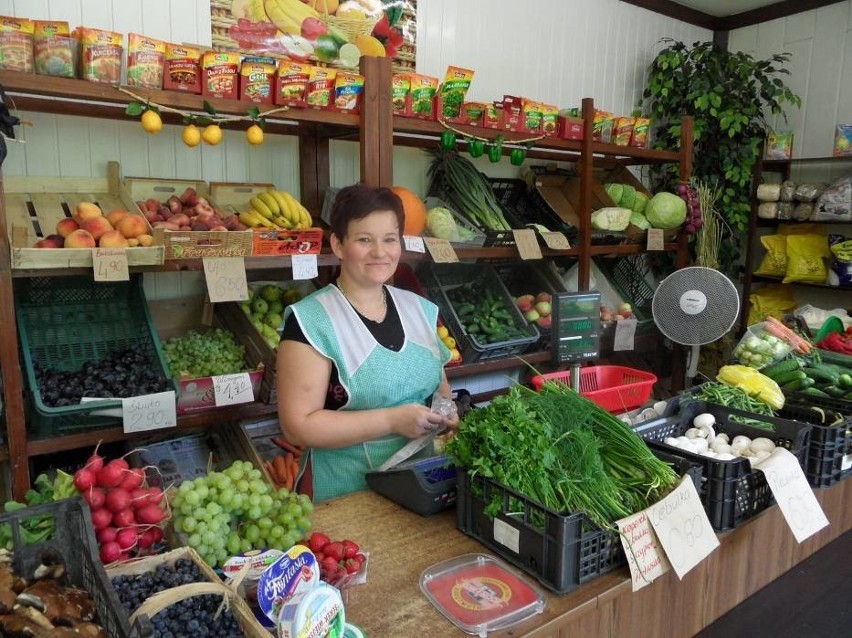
x,y
479,593
316,612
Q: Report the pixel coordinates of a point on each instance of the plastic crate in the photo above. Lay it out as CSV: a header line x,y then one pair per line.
x,y
64,322
441,279
74,539
529,207
531,278
614,388
829,443
627,276
732,492
478,238
492,237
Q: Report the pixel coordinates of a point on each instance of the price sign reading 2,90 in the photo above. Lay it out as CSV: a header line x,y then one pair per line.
x,y
226,279
149,412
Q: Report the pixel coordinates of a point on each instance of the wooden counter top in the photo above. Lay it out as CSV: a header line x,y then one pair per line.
x,y
402,545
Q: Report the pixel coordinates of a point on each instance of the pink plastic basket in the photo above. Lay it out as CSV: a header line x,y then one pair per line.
x,y
614,388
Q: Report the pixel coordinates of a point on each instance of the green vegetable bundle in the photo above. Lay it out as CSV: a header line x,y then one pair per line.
x,y
38,528
563,451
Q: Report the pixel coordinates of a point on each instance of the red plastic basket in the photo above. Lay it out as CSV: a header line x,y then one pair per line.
x,y
614,388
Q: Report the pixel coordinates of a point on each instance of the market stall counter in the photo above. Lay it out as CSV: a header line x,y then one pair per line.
x,y
402,545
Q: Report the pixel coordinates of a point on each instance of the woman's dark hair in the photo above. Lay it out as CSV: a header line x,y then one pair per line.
x,y
358,201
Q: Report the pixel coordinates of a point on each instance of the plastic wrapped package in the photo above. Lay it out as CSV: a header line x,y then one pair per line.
x,y
805,258
835,204
753,382
785,210
808,192
769,192
841,262
803,211
774,263
788,191
767,210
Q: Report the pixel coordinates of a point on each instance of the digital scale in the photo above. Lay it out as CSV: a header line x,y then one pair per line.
x,y
576,327
424,486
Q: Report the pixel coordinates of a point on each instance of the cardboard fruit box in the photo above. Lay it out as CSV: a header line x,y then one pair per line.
x,y
179,244
176,317
34,206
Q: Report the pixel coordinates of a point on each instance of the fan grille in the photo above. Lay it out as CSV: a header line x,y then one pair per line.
x,y
694,306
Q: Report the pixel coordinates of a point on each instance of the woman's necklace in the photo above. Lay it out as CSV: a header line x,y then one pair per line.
x,y
378,317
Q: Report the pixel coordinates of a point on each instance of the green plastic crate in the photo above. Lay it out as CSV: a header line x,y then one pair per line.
x,y
64,322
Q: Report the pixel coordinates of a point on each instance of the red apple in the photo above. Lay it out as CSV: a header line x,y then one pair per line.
x,y
531,315
545,322
544,308
525,302
543,296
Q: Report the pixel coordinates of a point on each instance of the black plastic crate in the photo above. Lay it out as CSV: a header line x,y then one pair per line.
x,y
531,278
732,492
74,539
829,443
627,276
528,207
492,237
843,406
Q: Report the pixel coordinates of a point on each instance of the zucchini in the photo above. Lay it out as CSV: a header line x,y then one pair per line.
x,y
776,369
822,374
788,377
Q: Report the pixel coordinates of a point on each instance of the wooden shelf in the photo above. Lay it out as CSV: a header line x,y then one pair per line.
x,y
779,280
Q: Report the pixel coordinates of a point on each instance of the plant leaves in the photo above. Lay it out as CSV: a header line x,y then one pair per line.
x,y
134,109
208,108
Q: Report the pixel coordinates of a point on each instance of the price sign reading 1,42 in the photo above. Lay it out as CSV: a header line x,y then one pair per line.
x,y
149,412
230,389
226,279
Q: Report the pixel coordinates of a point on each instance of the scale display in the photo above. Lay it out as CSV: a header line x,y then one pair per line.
x,y
576,328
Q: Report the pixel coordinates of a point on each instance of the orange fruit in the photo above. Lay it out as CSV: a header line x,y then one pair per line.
x,y
415,211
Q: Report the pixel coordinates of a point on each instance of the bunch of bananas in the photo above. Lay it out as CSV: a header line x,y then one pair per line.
x,y
288,15
276,209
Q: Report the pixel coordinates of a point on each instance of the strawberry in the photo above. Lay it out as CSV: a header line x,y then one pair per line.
x,y
318,541
352,565
329,565
334,550
350,548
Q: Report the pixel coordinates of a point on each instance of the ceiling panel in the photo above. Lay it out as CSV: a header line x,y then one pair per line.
x,y
724,8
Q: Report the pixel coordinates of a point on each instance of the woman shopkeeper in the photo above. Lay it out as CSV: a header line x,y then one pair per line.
x,y
358,360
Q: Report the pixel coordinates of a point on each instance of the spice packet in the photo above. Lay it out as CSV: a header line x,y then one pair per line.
x,y
549,119
54,50
623,131
422,101
400,87
453,90
348,89
513,112
16,44
641,126
492,115
320,87
219,70
471,113
602,126
145,58
292,83
182,71
257,78
100,55
779,145
531,119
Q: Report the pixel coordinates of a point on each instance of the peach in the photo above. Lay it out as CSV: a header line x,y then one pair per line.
x,y
51,241
97,226
115,216
86,210
80,239
132,226
151,204
180,219
66,226
145,240
525,302
132,242
113,239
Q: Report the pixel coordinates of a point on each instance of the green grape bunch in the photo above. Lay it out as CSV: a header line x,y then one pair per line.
x,y
196,354
235,511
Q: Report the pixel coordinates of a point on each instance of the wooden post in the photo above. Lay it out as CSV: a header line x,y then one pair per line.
x,y
313,167
585,167
376,133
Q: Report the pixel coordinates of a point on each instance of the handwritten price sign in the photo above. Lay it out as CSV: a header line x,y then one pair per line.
x,y
441,250
149,412
683,528
414,244
527,243
110,264
226,279
304,266
644,554
230,389
556,241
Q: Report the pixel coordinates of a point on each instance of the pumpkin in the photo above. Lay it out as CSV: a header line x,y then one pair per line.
x,y
415,211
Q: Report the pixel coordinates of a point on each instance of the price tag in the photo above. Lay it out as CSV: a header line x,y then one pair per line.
x,y
655,239
226,279
110,264
794,495
556,241
414,244
527,243
625,332
644,554
304,266
149,412
230,389
683,528
441,250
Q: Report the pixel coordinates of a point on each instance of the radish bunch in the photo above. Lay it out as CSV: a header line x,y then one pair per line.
x,y
126,514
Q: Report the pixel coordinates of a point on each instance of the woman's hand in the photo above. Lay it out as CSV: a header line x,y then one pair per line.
x,y
414,420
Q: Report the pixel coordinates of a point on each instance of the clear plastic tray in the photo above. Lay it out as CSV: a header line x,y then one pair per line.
x,y
479,593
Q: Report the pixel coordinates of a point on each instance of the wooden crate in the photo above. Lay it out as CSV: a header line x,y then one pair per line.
x,y
35,204
188,244
251,441
235,196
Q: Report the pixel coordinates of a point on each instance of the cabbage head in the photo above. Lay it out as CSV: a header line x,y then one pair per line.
x,y
441,224
665,210
611,218
639,220
640,202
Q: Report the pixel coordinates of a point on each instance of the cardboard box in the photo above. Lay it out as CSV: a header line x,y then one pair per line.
x,y
307,241
569,128
184,458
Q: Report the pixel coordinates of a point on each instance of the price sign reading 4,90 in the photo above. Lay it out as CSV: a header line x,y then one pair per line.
x,y
226,279
110,264
149,412
230,389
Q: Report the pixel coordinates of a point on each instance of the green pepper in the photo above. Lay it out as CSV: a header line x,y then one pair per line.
x,y
475,147
495,153
448,140
517,156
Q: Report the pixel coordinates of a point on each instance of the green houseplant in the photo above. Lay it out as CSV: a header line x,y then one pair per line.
x,y
729,94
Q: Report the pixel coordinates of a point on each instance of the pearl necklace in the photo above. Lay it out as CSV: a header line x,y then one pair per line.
x,y
352,303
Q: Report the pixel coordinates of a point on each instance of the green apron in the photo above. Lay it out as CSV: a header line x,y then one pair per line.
x,y
373,376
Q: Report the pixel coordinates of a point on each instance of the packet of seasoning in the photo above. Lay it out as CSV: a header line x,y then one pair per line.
x,y
100,55
292,83
454,89
182,70
219,70
623,131
16,44
54,50
641,126
320,87
348,89
422,96
400,87
549,119
145,58
531,115
257,77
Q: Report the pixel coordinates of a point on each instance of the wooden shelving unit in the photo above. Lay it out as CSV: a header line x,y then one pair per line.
x,y
378,131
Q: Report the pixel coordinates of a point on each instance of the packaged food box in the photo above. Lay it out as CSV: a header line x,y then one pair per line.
x,y
291,83
257,80
182,72
55,51
100,55
16,44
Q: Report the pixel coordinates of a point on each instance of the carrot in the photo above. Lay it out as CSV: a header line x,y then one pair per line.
x,y
775,327
280,468
287,446
273,473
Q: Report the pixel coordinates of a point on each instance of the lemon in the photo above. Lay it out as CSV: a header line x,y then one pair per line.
x,y
443,333
350,55
152,122
449,342
368,45
191,136
212,134
455,355
254,135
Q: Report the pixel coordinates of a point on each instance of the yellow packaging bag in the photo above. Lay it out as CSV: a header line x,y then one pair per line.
x,y
756,384
805,258
774,263
775,300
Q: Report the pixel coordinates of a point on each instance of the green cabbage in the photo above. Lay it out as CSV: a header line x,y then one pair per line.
x,y
628,196
611,218
640,202
614,191
666,210
639,220
441,224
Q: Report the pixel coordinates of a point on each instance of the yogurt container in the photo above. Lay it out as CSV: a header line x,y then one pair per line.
x,y
294,573
313,614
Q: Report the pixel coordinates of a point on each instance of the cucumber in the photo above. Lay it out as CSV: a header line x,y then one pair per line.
x,y
833,390
845,381
776,369
837,358
797,385
788,377
816,392
822,375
